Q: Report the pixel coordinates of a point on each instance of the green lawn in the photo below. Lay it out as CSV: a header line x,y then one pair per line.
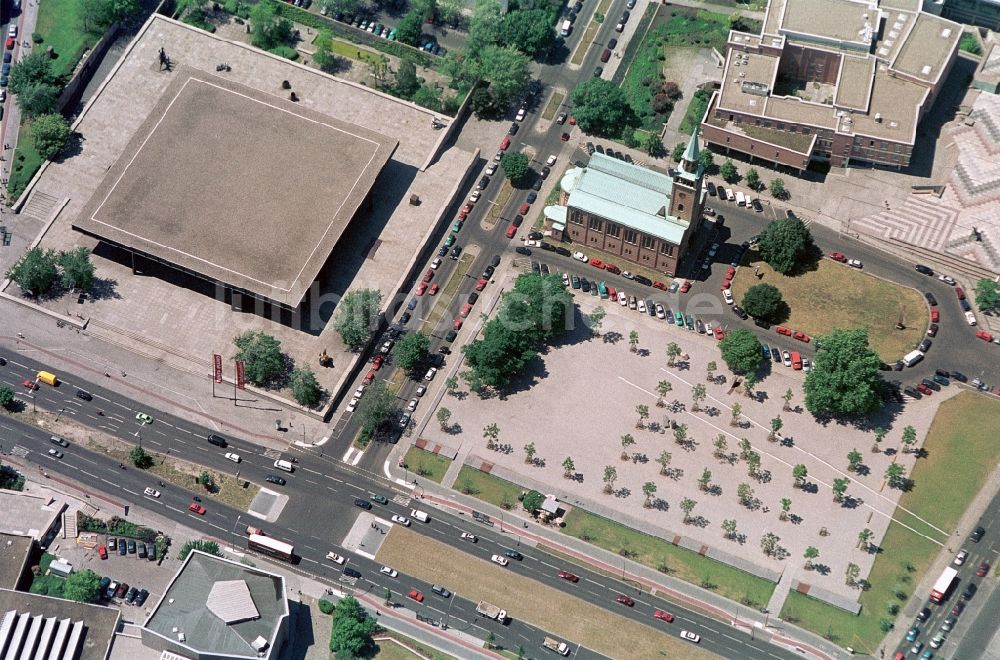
x,y
833,295
425,464
43,584
486,487
27,160
355,52
553,106
961,441
59,23
659,554
550,199
584,45
695,111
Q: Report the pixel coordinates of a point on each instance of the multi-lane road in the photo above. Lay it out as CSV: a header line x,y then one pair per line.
x,y
339,485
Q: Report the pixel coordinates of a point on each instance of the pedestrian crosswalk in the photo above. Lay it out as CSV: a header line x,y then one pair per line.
x,y
18,450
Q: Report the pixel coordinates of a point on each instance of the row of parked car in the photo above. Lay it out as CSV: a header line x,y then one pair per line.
x,y
125,546
8,57
111,590
426,43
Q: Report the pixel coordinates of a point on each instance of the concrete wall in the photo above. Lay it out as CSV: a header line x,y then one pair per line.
x,y
720,137
86,69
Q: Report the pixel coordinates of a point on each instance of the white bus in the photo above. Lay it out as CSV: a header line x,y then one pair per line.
x,y
271,547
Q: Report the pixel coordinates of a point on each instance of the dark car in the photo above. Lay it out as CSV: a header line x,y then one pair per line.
x,y
483,182
520,249
455,251
612,44
141,597
363,503
548,247
924,614
757,205
130,596
488,272
537,185
121,590
545,172
443,250
931,300
970,591
920,268
151,556
598,71
761,323
514,554
441,591
131,547
532,196
740,312
351,572
585,284
931,384
534,267
776,355
121,547
925,346
83,394
563,251
941,380
518,219
473,297
977,534
275,479
404,319
959,376
643,280
513,129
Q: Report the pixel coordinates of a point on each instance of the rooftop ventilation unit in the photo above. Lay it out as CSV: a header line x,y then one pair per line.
x,y
945,33
925,69
878,117
755,88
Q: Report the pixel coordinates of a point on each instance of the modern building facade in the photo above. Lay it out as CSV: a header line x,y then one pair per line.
x,y
839,81
985,13
642,216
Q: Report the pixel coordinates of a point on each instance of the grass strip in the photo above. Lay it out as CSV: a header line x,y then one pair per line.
x,y
446,295
486,487
395,646
604,7
497,206
960,441
695,111
842,297
426,464
355,52
584,45
527,599
60,24
553,106
27,160
679,562
550,199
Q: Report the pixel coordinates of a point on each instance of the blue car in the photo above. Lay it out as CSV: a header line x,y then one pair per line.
x,y
765,350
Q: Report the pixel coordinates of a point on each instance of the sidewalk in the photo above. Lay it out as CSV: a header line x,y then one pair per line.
x,y
689,595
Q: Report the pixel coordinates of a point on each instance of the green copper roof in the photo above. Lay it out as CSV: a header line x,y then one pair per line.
x,y
691,153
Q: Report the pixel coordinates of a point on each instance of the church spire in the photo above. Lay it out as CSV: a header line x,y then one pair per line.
x,y
689,161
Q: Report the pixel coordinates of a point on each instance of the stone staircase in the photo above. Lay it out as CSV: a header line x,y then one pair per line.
x,y
40,206
69,530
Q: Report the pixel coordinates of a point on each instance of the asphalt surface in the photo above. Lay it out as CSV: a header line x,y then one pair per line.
x,y
339,485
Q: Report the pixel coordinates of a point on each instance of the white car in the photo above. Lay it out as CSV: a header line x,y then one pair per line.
x,y
412,405
690,636
727,296
565,279
405,522
474,197
496,157
235,458
358,392
660,314
970,318
580,256
855,263
641,304
961,557
421,390
627,275
623,299
430,373
708,328
551,161
152,492
391,572
491,169
353,405
469,537
497,559
531,243
786,358
806,365
520,115
335,558
436,264
947,279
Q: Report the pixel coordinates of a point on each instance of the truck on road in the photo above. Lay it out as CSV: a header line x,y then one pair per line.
x,y
562,648
491,611
939,592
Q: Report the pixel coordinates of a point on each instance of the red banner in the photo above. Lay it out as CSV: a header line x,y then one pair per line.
x,y
218,367
241,380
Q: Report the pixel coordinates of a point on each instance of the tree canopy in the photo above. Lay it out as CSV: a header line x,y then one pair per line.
x,y
38,99
98,15
31,70
515,165
533,312
357,315
78,270
763,301
530,31
532,501
376,412
845,380
785,244
208,547
262,358
305,387
987,294
83,586
601,108
412,352
35,272
51,134
409,28
741,351
407,82
352,630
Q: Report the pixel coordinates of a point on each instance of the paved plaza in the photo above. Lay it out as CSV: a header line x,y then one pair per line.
x,y
582,398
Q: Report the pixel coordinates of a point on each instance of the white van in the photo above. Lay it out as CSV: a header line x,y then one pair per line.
x,y
730,196
741,199
567,27
282,464
417,514
912,358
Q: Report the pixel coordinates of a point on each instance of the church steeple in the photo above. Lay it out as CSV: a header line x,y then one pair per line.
x,y
689,161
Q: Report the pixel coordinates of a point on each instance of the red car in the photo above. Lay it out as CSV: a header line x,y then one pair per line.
x,y
730,274
665,616
801,336
428,276
725,285
457,324
481,284
377,363
102,552
504,143
782,330
983,569
197,508
511,231
434,289
462,215
30,384
836,256
625,600
421,288
416,595
720,334
924,389
658,285
564,137
960,293
611,268
597,263
566,575
935,315
612,293
466,309
685,287
985,336
572,120
524,208
10,43
467,209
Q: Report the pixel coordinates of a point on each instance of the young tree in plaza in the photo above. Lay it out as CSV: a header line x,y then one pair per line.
x,y
839,488
853,460
569,468
687,506
443,415
662,389
627,441
698,394
673,351
736,410
786,507
305,387
776,425
720,446
800,474
664,460
648,490
610,476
